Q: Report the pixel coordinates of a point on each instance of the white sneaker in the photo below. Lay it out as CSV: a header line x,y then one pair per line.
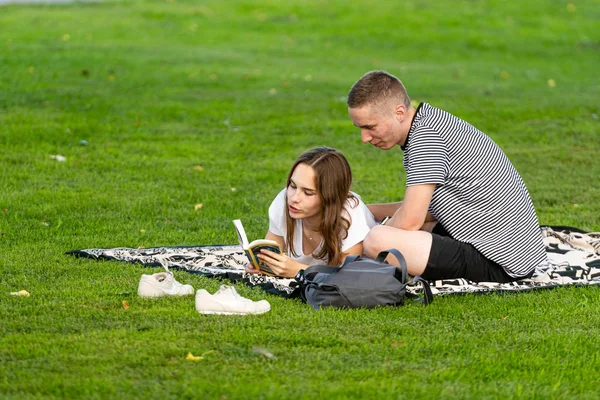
x,y
162,284
228,301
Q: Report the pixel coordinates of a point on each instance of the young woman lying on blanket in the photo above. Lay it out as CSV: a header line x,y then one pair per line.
x,y
316,219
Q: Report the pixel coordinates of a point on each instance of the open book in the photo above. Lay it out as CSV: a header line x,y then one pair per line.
x,y
253,248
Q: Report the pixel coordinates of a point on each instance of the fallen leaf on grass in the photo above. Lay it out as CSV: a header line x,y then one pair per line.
x,y
397,344
191,357
264,352
197,207
125,304
198,167
23,293
551,83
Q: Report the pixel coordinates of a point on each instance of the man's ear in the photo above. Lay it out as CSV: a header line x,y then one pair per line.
x,y
400,112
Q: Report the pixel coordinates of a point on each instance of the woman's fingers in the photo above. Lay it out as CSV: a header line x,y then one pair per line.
x,y
270,254
274,262
250,269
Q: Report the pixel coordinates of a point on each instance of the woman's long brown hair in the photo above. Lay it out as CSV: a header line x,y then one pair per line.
x,y
333,181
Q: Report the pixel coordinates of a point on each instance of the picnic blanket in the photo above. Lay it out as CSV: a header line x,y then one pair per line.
x,y
573,259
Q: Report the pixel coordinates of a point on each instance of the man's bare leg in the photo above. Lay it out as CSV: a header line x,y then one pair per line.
x,y
415,246
428,226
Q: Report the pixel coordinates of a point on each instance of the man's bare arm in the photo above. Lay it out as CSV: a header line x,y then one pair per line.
x,y
414,212
380,211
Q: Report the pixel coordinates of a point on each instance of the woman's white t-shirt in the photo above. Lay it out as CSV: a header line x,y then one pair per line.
x,y
361,221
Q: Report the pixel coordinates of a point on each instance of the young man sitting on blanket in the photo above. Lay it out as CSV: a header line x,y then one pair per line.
x,y
466,212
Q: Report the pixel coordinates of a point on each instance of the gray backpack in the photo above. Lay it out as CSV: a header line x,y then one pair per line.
x,y
358,282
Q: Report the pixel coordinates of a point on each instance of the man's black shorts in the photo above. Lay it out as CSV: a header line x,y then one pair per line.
x,y
451,259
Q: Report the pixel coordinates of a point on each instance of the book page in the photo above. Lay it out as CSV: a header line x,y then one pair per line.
x,y
239,228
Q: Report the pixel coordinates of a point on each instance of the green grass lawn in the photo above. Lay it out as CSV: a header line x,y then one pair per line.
x,y
240,88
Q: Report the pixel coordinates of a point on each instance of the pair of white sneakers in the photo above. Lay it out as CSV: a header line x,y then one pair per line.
x,y
225,301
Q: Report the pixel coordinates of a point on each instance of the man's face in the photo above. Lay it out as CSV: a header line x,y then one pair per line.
x,y
382,129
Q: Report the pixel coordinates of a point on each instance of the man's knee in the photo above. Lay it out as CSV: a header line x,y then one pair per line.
x,y
372,243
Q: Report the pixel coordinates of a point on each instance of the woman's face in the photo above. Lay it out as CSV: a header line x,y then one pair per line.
x,y
302,195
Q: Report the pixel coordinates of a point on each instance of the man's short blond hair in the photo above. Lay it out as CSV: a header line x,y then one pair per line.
x,y
377,88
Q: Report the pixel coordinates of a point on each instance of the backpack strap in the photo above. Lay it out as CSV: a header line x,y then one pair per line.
x,y
401,272
427,295
382,255
349,259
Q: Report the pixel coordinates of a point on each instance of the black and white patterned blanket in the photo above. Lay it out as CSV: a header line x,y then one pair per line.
x,y
573,259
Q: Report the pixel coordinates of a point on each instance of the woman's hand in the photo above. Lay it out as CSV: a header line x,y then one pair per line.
x,y
251,270
280,264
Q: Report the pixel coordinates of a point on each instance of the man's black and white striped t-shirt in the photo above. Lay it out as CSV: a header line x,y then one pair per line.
x,y
479,197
